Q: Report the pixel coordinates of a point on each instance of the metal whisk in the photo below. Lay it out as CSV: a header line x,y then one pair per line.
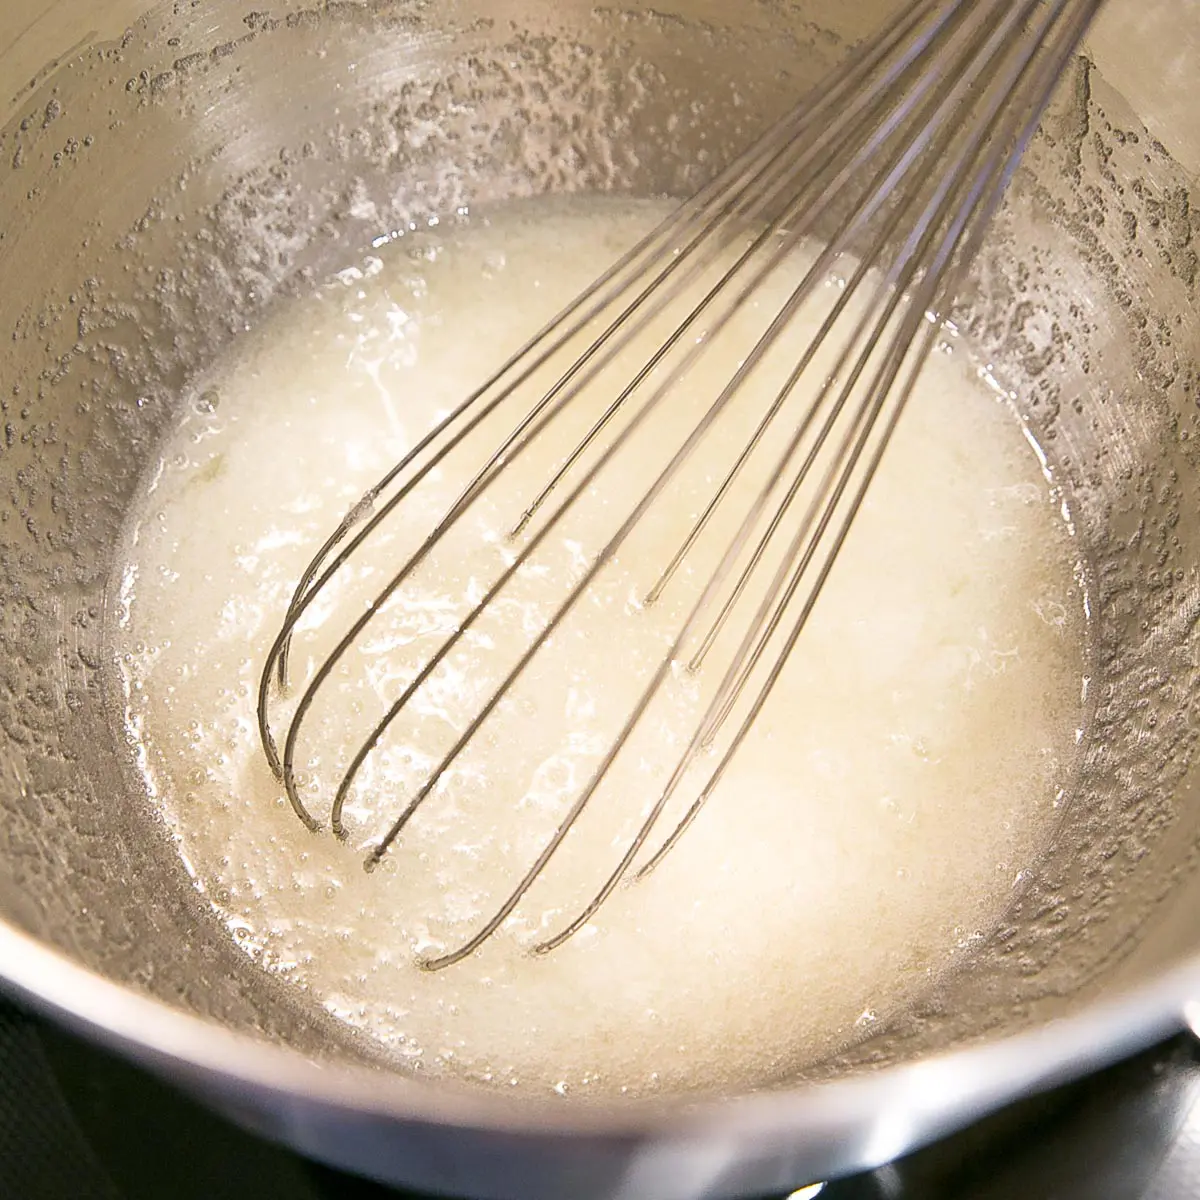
x,y
894,165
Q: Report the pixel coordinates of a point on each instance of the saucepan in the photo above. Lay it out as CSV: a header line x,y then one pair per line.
x,y
170,171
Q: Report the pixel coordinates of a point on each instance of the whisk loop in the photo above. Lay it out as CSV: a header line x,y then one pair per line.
x,y
895,165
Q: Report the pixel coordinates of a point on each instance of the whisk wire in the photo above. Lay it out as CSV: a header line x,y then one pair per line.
x,y
800,553
556,399
896,281
743,174
520,441
748,180
836,478
911,144
984,192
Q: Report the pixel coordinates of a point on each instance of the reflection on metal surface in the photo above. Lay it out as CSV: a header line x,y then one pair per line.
x,y
1129,1133
1191,1016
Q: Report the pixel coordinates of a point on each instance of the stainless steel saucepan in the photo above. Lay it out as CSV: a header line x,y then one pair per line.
x,y
168,172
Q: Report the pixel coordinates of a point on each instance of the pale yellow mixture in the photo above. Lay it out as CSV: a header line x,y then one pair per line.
x,y
905,773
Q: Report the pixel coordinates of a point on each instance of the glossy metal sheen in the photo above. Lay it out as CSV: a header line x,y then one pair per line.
x,y
160,187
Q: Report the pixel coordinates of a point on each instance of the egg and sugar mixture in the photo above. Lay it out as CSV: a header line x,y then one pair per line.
x,y
907,768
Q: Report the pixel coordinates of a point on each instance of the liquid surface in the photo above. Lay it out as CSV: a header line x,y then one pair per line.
x,y
905,771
